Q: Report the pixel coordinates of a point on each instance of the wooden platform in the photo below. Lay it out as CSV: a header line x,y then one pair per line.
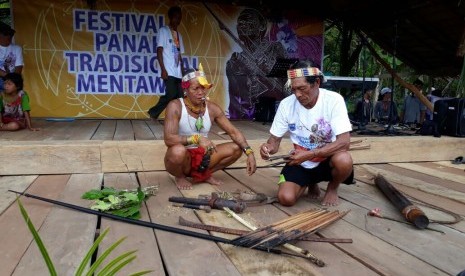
x,y
65,159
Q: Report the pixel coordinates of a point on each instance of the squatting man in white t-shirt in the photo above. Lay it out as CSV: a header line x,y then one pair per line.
x,y
319,128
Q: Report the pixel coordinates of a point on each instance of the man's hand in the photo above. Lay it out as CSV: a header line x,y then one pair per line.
x,y
164,74
251,164
299,156
265,150
208,145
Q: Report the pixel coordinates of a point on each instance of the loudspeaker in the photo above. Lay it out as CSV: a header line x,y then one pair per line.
x,y
455,123
440,116
449,115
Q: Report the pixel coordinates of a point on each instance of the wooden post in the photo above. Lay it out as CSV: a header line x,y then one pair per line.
x,y
411,212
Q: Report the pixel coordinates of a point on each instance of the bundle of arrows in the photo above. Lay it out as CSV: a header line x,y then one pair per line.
x,y
291,228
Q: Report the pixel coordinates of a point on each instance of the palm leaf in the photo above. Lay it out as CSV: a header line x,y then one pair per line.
x,y
40,244
103,257
115,261
120,266
91,252
141,273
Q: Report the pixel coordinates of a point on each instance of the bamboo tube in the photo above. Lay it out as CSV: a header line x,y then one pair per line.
x,y
410,212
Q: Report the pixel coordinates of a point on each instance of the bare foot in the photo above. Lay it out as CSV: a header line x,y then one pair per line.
x,y
182,183
213,181
330,199
314,191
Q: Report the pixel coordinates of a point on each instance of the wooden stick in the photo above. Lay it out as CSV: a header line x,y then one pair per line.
x,y
291,247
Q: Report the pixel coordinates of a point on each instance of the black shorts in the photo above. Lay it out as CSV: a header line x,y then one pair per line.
x,y
305,177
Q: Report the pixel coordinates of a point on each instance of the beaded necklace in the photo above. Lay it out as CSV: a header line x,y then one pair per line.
x,y
200,111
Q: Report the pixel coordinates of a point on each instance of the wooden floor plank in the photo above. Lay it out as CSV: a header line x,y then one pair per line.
x,y
157,129
50,159
250,131
449,164
138,238
435,207
436,171
15,183
428,245
415,183
105,131
15,237
416,196
68,234
81,130
182,255
25,134
365,244
431,179
124,130
141,130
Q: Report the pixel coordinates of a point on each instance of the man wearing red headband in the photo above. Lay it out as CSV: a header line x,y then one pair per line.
x,y
188,120
319,128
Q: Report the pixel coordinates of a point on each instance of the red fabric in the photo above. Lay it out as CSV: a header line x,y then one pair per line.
x,y
316,159
196,158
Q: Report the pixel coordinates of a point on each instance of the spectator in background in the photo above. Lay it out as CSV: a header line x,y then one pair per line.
x,y
364,108
433,96
385,109
14,105
169,50
413,111
11,55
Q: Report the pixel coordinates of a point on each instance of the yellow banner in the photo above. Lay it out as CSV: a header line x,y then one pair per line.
x,y
101,63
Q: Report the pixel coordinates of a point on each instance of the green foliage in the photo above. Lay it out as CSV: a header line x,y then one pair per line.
x,y
35,234
111,268
368,65
124,203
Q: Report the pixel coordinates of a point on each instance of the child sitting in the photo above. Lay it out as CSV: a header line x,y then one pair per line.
x,y
14,104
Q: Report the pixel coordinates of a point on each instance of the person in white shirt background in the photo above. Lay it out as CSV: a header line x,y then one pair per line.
x,y
11,55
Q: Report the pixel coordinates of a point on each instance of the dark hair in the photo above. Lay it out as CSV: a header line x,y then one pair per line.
x,y
306,64
16,78
5,29
174,10
418,82
188,70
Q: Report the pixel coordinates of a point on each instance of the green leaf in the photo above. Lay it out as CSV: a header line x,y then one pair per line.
x,y
91,251
115,262
141,273
101,206
130,211
99,194
131,197
104,256
35,234
120,266
141,195
114,200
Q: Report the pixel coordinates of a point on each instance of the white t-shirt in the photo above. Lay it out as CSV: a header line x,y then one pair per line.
x,y
170,51
11,56
312,128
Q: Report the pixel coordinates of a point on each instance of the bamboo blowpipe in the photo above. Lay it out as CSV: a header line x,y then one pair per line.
x,y
411,212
